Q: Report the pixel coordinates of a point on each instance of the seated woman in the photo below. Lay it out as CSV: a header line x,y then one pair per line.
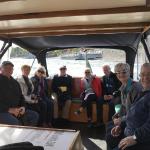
x,y
135,133
129,91
41,91
31,99
91,89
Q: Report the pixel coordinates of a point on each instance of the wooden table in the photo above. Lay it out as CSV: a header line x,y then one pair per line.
x,y
50,139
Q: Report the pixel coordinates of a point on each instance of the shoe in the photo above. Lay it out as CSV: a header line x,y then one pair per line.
x,y
49,125
90,124
99,124
77,112
45,125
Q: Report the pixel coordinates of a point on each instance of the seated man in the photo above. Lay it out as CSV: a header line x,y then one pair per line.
x,y
12,105
134,133
110,84
62,86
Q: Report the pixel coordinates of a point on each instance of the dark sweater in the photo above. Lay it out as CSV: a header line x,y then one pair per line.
x,y
138,119
110,84
36,82
10,94
59,81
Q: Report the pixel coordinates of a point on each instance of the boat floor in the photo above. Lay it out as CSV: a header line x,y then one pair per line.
x,y
92,138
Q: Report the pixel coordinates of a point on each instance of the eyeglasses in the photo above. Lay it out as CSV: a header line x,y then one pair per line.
x,y
87,72
121,72
40,71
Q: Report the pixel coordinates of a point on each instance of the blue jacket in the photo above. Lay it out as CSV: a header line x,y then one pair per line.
x,y
138,119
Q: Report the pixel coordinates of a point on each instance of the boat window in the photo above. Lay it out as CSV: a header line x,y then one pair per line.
x,y
75,60
139,60
19,56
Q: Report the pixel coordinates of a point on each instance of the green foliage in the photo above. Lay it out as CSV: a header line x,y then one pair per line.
x,y
19,52
58,52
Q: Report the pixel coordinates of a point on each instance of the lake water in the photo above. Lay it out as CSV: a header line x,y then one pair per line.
x,y
74,67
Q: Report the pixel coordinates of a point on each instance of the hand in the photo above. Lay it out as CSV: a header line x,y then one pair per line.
x,y
14,111
116,115
22,110
33,96
126,142
115,131
110,97
106,97
117,121
36,101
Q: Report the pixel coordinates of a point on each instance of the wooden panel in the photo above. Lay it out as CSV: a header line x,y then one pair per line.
x,y
105,113
83,12
76,87
80,118
76,27
138,30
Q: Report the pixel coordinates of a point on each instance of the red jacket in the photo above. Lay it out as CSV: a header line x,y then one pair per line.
x,y
96,86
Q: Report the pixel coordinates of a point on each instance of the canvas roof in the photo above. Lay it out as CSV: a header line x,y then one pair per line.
x,y
50,24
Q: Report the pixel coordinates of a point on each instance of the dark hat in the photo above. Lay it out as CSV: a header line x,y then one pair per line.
x,y
63,67
5,63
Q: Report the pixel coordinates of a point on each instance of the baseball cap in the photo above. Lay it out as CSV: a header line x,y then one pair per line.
x,y
63,67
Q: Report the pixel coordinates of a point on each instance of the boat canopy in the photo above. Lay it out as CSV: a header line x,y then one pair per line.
x,y
40,26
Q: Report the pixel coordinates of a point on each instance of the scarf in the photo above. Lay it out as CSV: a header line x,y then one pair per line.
x,y
41,87
29,85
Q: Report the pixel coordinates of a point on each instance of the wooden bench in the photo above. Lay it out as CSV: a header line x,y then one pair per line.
x,y
76,102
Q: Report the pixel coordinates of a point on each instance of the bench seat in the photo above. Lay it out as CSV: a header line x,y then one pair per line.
x,y
76,102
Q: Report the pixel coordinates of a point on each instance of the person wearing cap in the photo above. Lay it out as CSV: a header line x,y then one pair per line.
x,y
41,92
12,103
62,87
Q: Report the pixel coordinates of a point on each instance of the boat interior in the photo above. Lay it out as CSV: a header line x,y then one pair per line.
x,y
45,25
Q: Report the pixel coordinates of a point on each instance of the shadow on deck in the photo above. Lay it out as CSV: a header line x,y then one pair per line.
x,y
92,138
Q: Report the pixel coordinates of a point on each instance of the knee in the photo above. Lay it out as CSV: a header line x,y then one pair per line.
x,y
35,115
43,104
111,104
69,102
100,100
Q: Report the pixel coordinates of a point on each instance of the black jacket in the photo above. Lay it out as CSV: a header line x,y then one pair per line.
x,y
110,84
10,94
36,81
59,81
138,119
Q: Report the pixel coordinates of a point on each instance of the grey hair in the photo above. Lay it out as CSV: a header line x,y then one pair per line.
x,y
122,66
106,66
41,68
